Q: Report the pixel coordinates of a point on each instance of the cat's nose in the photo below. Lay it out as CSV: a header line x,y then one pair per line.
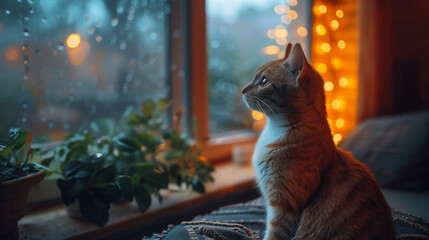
x,y
245,89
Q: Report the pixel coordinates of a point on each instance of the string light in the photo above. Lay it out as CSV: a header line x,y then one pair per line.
x,y
257,115
329,86
292,14
337,138
292,2
339,123
271,50
282,33
323,9
73,40
271,33
339,13
343,82
336,104
320,29
321,67
341,44
334,24
326,47
302,31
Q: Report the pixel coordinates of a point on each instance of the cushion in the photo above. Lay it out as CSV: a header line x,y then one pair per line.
x,y
395,148
247,221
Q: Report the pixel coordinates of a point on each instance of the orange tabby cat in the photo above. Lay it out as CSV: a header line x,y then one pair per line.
x,y
313,189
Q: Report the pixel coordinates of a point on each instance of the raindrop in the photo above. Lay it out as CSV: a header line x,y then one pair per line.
x,y
24,120
91,31
214,44
24,46
44,20
37,51
30,1
26,33
7,12
98,38
24,105
25,77
87,19
20,1
31,11
26,18
115,22
120,10
43,119
25,60
153,36
55,52
51,125
60,46
123,45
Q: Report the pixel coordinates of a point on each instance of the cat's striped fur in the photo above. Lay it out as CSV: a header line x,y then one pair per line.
x,y
313,189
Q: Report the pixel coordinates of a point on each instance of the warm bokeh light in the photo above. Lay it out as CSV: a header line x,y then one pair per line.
x,y
12,55
272,50
329,86
281,41
285,19
321,68
334,24
258,126
292,14
339,13
336,104
302,31
326,47
271,33
340,123
73,40
281,33
341,44
323,9
343,82
257,115
292,2
320,29
281,9
337,138
336,62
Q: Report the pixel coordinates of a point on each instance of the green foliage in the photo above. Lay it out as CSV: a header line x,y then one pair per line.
x,y
15,155
133,161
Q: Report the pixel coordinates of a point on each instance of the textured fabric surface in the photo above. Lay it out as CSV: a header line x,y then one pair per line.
x,y
395,148
247,221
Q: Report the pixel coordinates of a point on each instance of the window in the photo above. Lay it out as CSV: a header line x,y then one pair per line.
x,y
67,63
242,35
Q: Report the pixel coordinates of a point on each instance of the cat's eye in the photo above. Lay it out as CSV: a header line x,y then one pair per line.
x,y
264,81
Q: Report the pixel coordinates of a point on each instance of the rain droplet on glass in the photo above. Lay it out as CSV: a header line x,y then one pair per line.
x,y
98,38
123,45
60,46
26,18
24,120
115,22
24,46
20,1
91,31
44,20
120,10
153,36
87,19
26,33
31,11
7,12
24,105
43,119
51,125
25,77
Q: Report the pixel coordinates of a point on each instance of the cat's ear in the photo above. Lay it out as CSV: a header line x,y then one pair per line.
x,y
296,57
288,48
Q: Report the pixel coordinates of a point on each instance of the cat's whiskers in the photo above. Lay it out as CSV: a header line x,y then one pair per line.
x,y
274,114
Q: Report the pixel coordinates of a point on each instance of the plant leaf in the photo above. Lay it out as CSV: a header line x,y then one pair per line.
x,y
125,144
106,174
5,150
126,185
18,137
147,140
71,189
136,119
75,153
148,108
143,168
163,104
155,179
143,197
198,186
110,193
94,209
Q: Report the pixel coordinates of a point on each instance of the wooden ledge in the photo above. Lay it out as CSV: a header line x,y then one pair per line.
x,y
233,183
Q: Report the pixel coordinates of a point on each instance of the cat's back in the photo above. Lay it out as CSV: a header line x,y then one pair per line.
x,y
352,202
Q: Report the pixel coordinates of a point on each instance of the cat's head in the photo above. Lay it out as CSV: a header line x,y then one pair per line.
x,y
286,86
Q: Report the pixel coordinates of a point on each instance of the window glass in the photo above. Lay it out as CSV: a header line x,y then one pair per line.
x,y
243,35
66,63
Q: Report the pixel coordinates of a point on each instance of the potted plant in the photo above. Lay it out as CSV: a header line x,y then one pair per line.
x,y
17,176
134,160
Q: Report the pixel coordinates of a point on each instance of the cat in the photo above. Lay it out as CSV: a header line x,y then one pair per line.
x,y
312,189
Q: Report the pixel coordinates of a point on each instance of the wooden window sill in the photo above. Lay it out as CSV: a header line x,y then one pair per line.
x,y
233,183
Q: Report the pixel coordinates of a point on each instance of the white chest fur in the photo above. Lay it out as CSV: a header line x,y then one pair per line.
x,y
273,131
